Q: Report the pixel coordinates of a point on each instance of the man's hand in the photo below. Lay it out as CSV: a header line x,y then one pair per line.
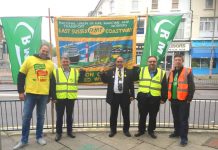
x,y
188,102
102,69
135,65
54,101
22,96
162,102
131,98
49,99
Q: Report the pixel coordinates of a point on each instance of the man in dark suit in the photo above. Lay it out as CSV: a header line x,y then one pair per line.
x,y
120,92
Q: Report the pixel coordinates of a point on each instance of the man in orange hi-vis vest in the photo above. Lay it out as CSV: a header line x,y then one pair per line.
x,y
181,89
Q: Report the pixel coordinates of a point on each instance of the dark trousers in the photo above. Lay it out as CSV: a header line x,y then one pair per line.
x,y
60,108
123,101
147,105
180,110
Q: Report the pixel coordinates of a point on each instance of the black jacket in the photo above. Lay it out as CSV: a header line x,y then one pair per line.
x,y
53,84
164,88
191,84
128,84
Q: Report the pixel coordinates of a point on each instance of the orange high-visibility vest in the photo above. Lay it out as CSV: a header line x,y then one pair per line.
x,y
182,89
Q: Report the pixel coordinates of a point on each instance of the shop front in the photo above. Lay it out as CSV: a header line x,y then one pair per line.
x,y
202,52
177,48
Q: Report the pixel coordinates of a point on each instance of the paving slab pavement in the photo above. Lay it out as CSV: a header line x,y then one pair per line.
x,y
99,140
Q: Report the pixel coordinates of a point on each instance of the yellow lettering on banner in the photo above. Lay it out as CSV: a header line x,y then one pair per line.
x,y
89,74
64,30
126,30
78,31
96,30
87,80
97,79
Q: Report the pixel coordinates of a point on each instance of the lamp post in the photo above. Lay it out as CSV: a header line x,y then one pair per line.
x,y
212,43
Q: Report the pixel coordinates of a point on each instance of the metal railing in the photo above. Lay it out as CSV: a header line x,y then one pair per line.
x,y
95,113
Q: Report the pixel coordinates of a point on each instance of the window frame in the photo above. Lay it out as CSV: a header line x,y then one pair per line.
x,y
135,4
154,4
112,5
201,63
206,26
175,2
181,28
206,4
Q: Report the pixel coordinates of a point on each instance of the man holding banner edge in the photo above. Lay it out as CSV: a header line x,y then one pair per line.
x,y
151,92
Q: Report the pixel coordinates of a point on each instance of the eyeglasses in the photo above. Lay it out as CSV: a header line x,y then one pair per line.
x,y
152,61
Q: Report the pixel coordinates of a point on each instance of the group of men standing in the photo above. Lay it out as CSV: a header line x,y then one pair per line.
x,y
153,89
37,75
38,83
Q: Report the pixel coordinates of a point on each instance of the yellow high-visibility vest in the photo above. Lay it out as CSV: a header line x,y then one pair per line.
x,y
66,88
148,84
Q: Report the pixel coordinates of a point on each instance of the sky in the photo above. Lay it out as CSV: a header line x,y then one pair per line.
x,y
16,8
40,7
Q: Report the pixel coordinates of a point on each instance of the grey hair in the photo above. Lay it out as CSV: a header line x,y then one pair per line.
x,y
65,56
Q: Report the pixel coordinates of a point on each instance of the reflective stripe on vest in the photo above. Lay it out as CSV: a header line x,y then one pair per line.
x,y
66,88
182,89
148,84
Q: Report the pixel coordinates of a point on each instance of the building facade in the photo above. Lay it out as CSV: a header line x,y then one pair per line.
x,y
143,8
1,43
204,50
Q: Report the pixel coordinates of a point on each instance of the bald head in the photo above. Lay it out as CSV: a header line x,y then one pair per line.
x,y
119,62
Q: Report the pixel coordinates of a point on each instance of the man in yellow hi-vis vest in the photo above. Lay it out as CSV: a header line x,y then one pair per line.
x,y
152,91
64,93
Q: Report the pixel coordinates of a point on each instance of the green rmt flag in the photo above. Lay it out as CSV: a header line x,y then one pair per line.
x,y
159,34
23,37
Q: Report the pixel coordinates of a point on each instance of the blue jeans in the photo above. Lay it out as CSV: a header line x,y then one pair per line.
x,y
31,100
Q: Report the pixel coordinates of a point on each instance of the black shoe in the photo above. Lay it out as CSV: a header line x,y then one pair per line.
x,y
152,134
58,137
139,134
183,143
127,134
111,134
71,135
173,135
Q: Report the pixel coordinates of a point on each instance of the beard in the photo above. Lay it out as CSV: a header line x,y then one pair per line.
x,y
43,56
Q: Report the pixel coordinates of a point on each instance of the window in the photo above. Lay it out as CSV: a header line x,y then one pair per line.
x,y
180,31
1,33
206,24
140,24
202,63
138,59
154,4
112,6
205,63
175,4
208,4
207,27
135,4
1,51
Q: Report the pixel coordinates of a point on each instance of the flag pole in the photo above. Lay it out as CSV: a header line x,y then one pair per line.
x,y
50,48
146,21
50,43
